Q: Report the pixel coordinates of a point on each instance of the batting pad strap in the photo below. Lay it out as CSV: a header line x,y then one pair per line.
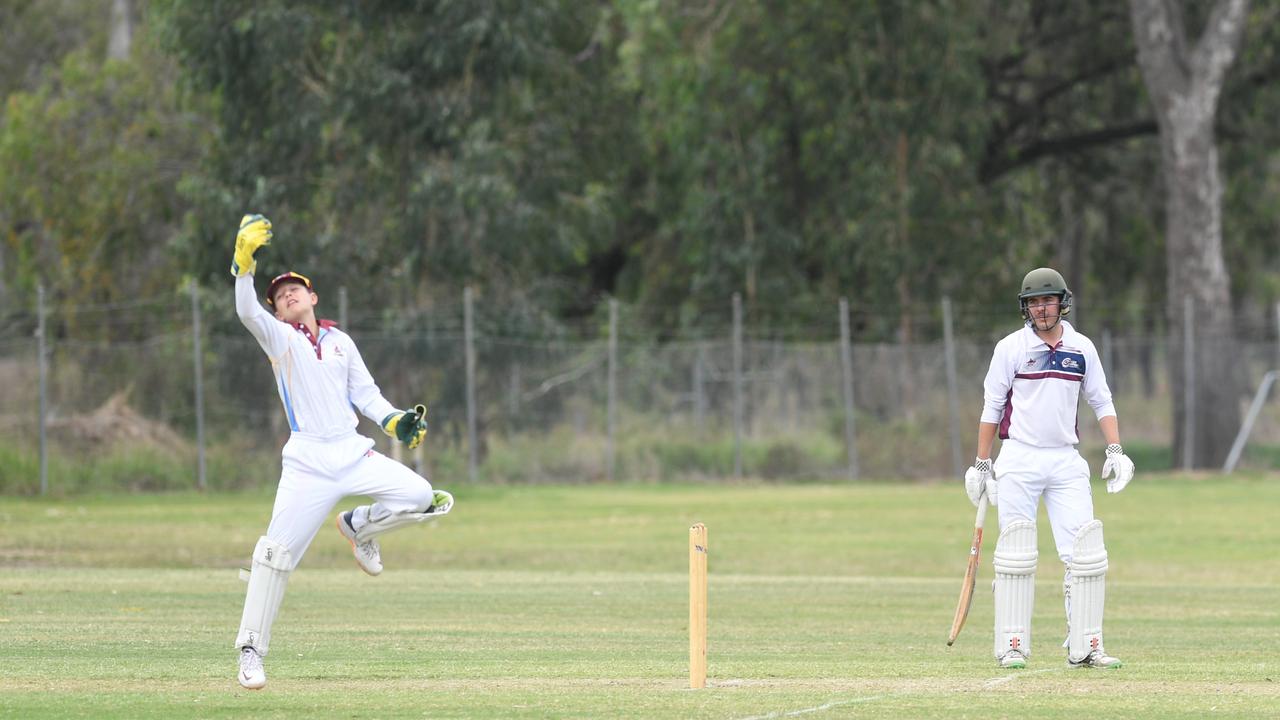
x,y
1014,586
272,563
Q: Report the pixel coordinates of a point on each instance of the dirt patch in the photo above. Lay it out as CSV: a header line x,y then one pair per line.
x,y
117,423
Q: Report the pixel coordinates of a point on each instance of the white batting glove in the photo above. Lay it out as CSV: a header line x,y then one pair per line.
x,y
1119,466
978,479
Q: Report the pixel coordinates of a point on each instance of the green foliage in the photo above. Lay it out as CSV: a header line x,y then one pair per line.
x,y
400,142
77,471
1249,138
1152,458
553,153
36,34
658,454
19,469
795,150
88,166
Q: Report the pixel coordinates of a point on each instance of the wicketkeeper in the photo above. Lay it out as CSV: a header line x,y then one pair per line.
x,y
1031,395
320,377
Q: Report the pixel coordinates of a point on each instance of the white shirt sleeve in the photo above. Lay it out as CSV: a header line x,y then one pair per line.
x,y
270,333
363,391
1096,391
995,388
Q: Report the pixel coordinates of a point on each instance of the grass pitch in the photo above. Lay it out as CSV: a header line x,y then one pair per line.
x,y
825,601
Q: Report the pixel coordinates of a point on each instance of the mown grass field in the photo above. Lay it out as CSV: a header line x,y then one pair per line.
x,y
535,602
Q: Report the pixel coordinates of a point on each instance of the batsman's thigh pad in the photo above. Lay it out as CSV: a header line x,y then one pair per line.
x,y
377,525
272,563
1015,587
1086,592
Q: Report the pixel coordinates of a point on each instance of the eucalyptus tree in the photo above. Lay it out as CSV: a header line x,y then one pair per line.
x,y
1185,76
1066,140
90,162
804,150
407,148
35,36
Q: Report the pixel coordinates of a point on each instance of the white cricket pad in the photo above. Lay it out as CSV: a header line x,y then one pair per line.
x,y
272,563
1015,587
1086,592
377,526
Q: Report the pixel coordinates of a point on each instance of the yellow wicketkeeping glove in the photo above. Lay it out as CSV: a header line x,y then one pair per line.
x,y
255,232
409,427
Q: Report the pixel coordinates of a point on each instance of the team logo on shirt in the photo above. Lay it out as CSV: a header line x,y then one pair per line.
x,y
1059,364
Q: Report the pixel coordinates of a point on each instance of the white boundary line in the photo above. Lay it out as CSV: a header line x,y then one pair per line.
x,y
1014,676
989,684
816,708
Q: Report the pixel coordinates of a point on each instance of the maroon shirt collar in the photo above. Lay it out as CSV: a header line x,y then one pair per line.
x,y
315,341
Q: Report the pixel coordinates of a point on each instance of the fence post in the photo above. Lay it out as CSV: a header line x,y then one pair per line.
x,y
737,385
846,384
513,391
198,368
610,448
43,365
1188,382
953,401
1107,366
469,337
699,392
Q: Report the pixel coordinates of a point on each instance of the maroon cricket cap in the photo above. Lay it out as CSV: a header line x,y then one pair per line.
x,y
283,278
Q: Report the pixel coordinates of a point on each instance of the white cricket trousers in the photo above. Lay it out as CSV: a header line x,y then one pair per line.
x,y
1060,475
318,472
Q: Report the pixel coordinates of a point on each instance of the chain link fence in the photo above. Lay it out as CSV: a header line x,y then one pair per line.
x,y
182,396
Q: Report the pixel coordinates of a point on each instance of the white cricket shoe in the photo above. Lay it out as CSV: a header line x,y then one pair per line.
x,y
368,554
252,676
1097,659
1014,659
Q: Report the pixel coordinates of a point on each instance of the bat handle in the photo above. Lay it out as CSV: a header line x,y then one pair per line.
x,y
982,511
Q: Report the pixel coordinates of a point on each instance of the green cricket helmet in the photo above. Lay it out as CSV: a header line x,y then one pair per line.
x,y
1044,281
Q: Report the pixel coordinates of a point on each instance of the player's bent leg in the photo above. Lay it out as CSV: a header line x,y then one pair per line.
x,y
1015,591
367,552
381,520
272,563
1086,595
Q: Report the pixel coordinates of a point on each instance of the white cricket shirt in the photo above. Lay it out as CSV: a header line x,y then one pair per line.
x,y
1032,391
320,379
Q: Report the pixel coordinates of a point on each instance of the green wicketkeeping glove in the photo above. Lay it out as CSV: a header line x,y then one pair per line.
x,y
409,427
255,232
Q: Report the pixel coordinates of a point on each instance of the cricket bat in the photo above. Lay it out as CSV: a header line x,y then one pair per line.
x,y
970,574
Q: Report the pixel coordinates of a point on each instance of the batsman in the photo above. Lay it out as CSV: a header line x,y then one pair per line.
x,y
1031,399
320,377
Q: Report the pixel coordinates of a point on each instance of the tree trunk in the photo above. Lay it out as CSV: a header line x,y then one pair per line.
x,y
1073,250
1184,84
906,331
121,30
